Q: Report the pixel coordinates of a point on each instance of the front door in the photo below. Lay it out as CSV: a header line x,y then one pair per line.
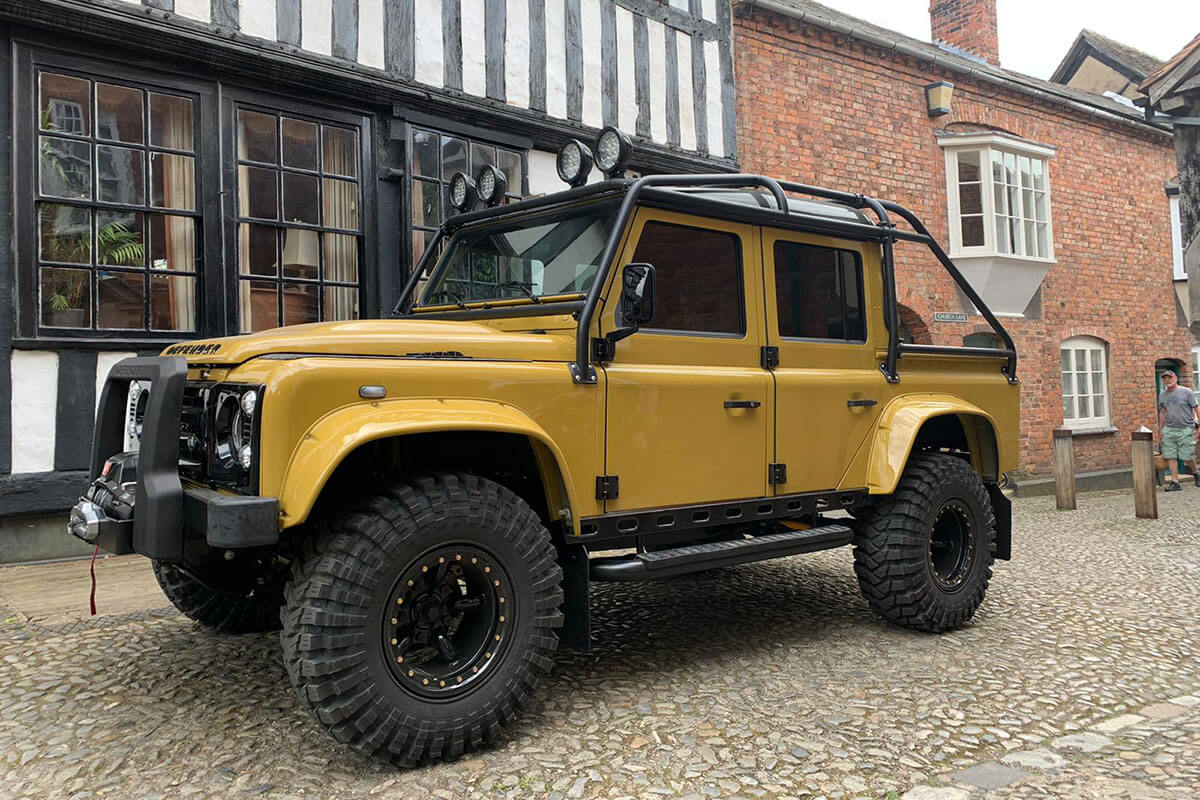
x,y
688,402
824,313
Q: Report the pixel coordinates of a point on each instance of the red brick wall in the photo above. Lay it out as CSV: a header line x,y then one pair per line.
x,y
827,109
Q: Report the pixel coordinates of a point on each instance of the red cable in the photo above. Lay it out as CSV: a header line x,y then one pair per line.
x,y
92,597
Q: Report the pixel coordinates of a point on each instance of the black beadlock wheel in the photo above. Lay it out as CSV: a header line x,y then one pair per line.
x,y
923,555
253,611
420,621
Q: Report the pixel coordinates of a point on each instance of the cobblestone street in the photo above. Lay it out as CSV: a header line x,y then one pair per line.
x,y
1079,678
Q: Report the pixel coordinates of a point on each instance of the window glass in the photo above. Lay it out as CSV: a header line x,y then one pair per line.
x,y
982,339
818,292
698,278
1084,382
1019,192
298,226
95,154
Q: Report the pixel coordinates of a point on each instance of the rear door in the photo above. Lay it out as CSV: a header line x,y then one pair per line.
x,y
823,312
688,402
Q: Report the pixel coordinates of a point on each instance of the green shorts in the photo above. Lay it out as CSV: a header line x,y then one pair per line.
x,y
1178,443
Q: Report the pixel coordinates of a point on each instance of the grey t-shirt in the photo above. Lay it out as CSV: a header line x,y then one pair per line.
x,y
1178,403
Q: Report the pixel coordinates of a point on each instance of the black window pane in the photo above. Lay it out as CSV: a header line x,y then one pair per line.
x,y
258,304
510,164
972,231
300,144
171,122
120,239
425,154
120,175
339,148
454,156
300,200
66,298
66,234
119,116
172,243
340,204
173,181
172,302
427,204
481,154
121,299
257,193
699,278
301,254
66,168
818,292
65,104
258,247
301,303
257,137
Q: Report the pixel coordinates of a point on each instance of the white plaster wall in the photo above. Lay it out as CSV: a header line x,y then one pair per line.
x,y
257,18
593,89
658,80
516,53
712,98
34,407
104,363
627,109
427,36
556,59
316,26
474,69
687,107
370,33
194,9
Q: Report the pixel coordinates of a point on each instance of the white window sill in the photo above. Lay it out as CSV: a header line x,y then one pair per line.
x,y
1090,430
1003,257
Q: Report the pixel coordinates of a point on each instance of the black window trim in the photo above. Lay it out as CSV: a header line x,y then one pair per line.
x,y
741,284
858,262
28,331
234,98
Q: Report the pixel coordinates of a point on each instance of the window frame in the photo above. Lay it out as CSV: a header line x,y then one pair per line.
x,y
986,145
29,332
1093,422
1178,265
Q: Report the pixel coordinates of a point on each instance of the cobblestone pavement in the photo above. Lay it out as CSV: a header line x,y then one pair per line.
x,y
768,680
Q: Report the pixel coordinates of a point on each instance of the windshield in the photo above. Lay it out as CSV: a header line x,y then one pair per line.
x,y
529,259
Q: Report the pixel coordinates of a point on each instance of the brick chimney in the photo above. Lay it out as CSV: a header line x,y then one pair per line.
x,y
968,26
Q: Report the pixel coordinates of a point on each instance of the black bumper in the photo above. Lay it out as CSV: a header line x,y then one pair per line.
x,y
166,515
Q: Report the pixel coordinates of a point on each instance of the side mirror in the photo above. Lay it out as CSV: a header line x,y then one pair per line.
x,y
637,294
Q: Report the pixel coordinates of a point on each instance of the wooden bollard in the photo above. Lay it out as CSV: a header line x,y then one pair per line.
x,y
1064,469
1145,497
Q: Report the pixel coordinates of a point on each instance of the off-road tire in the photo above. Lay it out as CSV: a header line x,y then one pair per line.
x,y
335,645
224,612
894,546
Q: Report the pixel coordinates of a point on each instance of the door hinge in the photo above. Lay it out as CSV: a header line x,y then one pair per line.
x,y
769,356
607,487
776,474
603,350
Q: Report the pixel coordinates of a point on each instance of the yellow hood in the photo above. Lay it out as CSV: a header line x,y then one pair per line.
x,y
384,337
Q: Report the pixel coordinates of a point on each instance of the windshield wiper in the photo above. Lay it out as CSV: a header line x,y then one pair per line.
x,y
452,297
524,287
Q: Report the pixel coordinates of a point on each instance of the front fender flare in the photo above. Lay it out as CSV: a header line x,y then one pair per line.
x,y
891,441
333,437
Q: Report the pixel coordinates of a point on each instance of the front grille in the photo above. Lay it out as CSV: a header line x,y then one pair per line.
x,y
193,430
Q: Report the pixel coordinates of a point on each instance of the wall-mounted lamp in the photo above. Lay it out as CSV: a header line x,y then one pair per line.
x,y
937,98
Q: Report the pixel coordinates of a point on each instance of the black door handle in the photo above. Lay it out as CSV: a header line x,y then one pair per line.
x,y
860,403
742,404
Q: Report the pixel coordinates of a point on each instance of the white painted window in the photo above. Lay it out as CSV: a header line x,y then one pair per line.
x,y
998,190
1085,401
1196,372
1177,238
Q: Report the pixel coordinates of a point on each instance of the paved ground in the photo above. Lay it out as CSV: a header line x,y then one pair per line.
x,y
1078,679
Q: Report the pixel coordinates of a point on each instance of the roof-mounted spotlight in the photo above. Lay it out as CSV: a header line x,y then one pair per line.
x,y
463,193
574,163
490,183
613,149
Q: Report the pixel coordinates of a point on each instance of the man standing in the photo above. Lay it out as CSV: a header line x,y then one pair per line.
x,y
1177,424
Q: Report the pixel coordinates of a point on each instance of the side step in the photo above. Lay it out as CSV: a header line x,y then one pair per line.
x,y
681,560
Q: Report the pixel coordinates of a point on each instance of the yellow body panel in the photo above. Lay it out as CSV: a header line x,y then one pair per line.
x,y
656,417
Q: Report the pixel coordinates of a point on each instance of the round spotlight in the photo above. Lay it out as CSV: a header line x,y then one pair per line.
x,y
249,401
613,149
574,162
462,192
491,185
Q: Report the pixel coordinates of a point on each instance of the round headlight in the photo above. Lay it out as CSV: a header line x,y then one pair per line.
x,y
491,185
574,162
462,192
612,151
249,402
246,456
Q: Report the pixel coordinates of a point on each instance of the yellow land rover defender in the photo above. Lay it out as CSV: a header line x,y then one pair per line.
x,y
626,380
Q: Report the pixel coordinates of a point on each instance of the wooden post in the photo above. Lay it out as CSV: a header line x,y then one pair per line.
x,y
1145,497
1064,469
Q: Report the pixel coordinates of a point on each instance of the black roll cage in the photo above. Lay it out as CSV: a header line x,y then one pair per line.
x,y
884,231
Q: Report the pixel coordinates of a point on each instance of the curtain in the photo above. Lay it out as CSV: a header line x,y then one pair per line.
x,y
340,199
179,191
